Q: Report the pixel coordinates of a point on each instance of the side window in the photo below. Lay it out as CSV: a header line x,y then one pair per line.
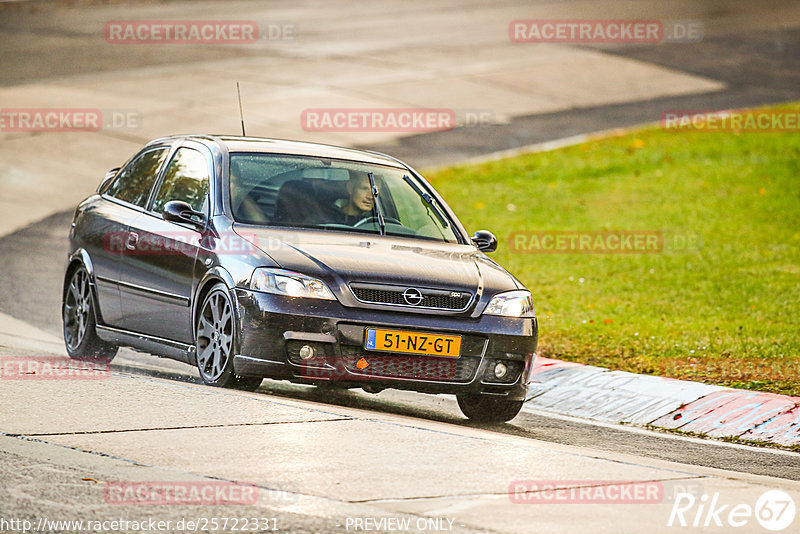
x,y
134,182
186,179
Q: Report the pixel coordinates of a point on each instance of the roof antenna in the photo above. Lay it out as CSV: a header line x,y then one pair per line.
x,y
241,114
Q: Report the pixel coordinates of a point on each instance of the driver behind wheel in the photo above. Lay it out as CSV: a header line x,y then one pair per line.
x,y
359,202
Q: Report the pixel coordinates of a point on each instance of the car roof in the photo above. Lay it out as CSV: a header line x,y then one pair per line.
x,y
283,146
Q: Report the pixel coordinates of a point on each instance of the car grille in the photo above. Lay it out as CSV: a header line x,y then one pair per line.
x,y
393,295
411,367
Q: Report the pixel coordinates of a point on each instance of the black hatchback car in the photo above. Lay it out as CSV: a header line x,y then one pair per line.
x,y
254,258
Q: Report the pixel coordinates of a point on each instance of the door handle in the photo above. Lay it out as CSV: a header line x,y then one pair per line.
x,y
133,238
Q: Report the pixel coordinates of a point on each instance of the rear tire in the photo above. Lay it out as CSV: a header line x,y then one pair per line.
x,y
80,321
216,339
484,409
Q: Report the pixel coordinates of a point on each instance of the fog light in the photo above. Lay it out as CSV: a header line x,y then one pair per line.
x,y
500,370
307,352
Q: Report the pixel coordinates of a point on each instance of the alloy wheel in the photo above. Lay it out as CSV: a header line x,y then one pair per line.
x,y
77,306
215,336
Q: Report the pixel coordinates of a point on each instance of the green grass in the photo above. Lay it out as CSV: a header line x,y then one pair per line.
x,y
724,312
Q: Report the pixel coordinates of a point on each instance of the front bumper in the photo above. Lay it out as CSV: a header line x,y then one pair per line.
x,y
274,327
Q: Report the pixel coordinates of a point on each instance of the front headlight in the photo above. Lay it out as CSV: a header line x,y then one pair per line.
x,y
289,284
512,304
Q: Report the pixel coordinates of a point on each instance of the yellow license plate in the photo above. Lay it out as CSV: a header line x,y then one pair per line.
x,y
412,342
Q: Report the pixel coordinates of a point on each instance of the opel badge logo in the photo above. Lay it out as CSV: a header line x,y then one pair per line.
x,y
412,296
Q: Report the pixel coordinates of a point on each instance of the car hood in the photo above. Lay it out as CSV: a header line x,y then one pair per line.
x,y
340,258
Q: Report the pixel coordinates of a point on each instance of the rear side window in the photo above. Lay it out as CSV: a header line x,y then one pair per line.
x,y
186,179
134,182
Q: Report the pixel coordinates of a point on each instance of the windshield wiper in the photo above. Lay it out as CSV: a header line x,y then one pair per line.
x,y
378,209
427,198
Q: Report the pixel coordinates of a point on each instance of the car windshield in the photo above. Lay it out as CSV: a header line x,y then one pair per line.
x,y
308,192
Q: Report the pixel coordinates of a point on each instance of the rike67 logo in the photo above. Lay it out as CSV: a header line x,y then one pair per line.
x,y
774,510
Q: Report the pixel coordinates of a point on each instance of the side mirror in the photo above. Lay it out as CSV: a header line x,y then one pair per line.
x,y
107,179
485,241
181,212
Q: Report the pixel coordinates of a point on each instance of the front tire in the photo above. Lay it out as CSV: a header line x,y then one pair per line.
x,y
79,320
216,339
484,409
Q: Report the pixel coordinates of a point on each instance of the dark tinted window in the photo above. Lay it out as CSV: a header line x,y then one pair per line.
x,y
134,182
301,191
186,179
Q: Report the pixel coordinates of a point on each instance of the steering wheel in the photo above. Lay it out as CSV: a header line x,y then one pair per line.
x,y
371,218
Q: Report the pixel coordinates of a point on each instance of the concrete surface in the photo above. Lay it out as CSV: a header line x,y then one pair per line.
x,y
620,397
747,415
616,396
316,463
